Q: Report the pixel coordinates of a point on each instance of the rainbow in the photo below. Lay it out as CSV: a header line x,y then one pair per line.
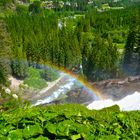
x,y
93,89
86,84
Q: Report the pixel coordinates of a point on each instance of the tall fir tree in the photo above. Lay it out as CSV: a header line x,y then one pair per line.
x,y
19,63
5,53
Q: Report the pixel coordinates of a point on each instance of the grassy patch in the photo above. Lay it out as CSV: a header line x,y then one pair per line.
x,y
5,12
120,45
34,79
49,74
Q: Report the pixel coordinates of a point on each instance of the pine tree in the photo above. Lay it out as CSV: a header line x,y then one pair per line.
x,y
132,43
102,60
5,53
19,63
129,47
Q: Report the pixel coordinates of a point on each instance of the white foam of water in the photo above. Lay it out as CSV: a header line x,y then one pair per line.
x,y
128,103
62,90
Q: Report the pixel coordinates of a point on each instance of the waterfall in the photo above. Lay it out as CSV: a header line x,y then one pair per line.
x,y
128,103
67,84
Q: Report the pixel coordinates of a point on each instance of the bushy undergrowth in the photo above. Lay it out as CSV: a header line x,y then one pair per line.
x,y
68,122
37,78
49,74
34,79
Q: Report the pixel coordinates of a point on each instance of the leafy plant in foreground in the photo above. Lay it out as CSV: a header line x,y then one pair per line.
x,y
69,122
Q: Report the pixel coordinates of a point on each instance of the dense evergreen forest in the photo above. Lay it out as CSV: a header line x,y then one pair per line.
x,y
36,36
38,39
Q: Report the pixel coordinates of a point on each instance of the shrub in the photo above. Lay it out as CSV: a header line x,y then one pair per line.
x,y
34,79
49,74
69,122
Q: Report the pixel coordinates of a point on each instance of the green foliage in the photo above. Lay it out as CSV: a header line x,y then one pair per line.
x,y
69,122
120,45
5,49
21,9
34,79
98,62
41,43
132,46
86,41
35,7
49,74
5,2
35,82
19,68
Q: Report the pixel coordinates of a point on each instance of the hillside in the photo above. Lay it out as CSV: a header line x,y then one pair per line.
x,y
79,51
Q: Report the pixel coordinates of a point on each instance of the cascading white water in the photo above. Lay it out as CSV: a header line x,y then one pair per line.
x,y
69,83
62,90
128,103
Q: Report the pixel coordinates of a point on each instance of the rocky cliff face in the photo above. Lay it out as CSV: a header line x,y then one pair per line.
x,y
116,89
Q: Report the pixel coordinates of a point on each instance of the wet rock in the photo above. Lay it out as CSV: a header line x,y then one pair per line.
x,y
77,95
134,79
116,89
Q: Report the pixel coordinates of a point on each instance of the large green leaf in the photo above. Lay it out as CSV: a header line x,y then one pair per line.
x,y
15,134
32,130
2,137
75,137
40,138
6,129
63,128
51,128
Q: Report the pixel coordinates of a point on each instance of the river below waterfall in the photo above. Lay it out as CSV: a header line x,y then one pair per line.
x,y
123,92
66,90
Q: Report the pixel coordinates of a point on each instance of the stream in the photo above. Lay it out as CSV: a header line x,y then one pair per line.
x,y
66,90
124,93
